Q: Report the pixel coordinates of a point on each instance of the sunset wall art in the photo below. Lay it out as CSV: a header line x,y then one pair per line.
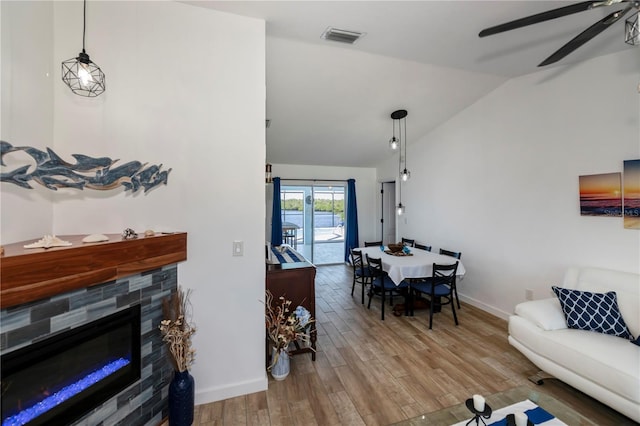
x,y
601,195
632,194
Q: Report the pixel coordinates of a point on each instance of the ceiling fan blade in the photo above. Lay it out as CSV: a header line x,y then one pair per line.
x,y
540,17
585,36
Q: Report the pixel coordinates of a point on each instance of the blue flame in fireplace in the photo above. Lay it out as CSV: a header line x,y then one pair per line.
x,y
36,410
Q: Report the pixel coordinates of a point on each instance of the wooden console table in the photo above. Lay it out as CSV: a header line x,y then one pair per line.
x,y
296,282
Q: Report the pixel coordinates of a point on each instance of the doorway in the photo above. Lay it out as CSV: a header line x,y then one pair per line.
x,y
388,213
313,221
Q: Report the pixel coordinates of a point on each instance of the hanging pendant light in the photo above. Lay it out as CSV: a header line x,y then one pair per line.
x,y
394,142
406,174
401,141
83,76
400,116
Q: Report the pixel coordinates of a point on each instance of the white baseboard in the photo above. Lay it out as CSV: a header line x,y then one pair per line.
x,y
487,308
205,396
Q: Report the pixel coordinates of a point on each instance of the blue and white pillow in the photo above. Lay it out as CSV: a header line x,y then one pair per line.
x,y
598,312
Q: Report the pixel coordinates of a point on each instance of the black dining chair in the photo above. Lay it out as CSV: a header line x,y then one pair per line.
x,y
408,242
439,288
373,243
361,273
457,255
422,247
289,237
381,283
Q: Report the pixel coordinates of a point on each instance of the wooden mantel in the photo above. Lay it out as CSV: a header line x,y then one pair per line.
x,y
31,274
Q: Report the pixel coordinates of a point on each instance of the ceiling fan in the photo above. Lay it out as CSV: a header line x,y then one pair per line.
x,y
581,38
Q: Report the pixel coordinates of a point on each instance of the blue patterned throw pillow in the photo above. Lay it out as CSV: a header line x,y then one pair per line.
x,y
592,311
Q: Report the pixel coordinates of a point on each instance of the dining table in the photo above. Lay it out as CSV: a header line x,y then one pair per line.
x,y
413,263
417,263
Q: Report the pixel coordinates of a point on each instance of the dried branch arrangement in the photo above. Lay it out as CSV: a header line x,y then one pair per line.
x,y
283,326
177,329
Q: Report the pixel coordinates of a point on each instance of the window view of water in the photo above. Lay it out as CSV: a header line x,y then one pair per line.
x,y
313,221
320,219
326,226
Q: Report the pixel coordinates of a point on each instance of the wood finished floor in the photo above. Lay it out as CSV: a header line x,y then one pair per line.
x,y
373,372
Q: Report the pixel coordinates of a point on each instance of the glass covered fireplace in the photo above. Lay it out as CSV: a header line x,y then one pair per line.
x,y
60,379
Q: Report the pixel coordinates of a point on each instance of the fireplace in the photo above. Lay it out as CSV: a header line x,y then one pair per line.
x,y
49,293
59,379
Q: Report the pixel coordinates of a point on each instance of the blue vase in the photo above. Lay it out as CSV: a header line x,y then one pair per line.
x,y
181,399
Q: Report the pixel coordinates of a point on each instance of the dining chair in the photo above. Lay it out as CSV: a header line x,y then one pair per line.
x,y
361,274
408,242
288,238
382,284
439,287
457,255
373,243
422,247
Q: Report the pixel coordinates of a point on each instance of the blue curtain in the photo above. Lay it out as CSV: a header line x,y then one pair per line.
x,y
351,239
276,215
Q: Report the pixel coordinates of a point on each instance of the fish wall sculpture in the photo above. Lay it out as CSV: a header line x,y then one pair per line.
x,y
101,173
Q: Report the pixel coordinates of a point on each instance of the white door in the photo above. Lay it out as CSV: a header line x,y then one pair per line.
x,y
388,212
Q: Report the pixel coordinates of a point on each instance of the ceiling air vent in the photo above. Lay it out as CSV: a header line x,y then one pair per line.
x,y
342,36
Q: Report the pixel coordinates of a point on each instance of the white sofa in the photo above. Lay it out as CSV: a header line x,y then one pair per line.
x,y
603,366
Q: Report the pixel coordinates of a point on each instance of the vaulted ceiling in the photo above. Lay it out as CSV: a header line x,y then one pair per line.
x,y
330,103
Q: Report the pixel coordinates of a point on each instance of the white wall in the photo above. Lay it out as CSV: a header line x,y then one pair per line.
x,y
192,97
500,180
366,187
26,118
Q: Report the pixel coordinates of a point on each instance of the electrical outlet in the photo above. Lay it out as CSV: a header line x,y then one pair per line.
x,y
238,248
528,294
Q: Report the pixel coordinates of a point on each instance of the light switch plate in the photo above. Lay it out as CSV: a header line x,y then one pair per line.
x,y
238,248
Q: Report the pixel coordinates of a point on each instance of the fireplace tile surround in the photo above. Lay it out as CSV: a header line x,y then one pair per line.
x,y
145,401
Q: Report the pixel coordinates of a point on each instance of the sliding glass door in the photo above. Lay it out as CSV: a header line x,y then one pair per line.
x,y
313,221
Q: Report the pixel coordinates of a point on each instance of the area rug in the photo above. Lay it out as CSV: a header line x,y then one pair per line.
x,y
536,415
